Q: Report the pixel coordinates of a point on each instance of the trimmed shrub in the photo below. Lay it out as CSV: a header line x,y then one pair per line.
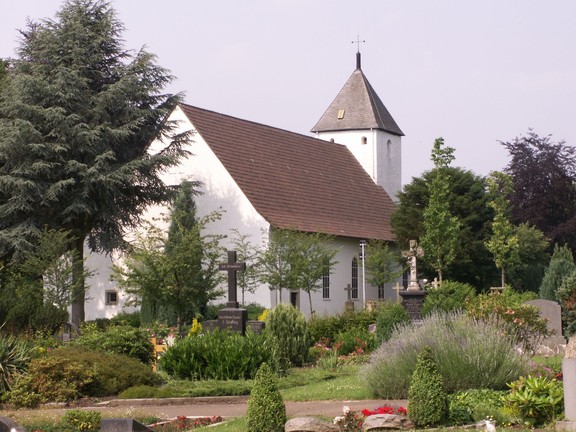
x,y
266,410
448,297
126,340
288,326
469,354
219,355
389,316
566,296
50,379
66,374
561,266
427,399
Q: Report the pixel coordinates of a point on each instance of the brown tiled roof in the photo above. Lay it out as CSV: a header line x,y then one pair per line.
x,y
295,181
359,107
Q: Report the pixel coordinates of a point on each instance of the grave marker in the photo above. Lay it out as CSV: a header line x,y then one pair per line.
x,y
232,317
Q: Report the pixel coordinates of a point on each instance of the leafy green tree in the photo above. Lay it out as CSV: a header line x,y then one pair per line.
x,y
295,260
544,174
441,228
178,270
247,252
77,117
382,264
561,266
527,274
468,200
503,242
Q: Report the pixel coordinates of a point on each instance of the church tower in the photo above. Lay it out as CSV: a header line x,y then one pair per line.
x,y
358,119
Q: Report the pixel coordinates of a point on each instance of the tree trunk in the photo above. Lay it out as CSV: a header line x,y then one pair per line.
x,y
503,277
310,300
79,284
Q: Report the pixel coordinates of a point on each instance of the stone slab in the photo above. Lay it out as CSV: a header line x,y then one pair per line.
x,y
9,425
122,425
309,424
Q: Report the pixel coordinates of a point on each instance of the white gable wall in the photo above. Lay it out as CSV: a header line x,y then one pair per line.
x,y
220,192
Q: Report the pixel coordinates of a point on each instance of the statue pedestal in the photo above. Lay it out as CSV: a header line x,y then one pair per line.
x,y
412,301
233,319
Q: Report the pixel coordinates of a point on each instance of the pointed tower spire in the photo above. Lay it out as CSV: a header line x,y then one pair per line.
x,y
358,59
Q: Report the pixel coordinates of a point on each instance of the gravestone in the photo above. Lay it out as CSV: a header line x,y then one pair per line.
x,y
232,317
569,383
123,425
256,326
413,296
552,312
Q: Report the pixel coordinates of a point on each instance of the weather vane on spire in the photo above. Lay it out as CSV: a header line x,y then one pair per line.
x,y
358,61
358,42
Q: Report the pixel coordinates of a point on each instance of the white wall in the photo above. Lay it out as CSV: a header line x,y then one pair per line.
x,y
381,156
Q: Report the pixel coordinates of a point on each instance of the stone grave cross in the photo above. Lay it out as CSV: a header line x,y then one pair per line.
x,y
232,267
411,256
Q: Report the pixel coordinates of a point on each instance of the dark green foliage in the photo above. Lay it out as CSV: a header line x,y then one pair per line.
x,y
561,266
389,316
83,420
219,355
14,356
450,296
266,410
474,405
427,399
77,116
126,340
288,326
66,374
469,203
566,295
328,326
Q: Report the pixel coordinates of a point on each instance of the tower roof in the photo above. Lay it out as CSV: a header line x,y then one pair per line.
x,y
357,106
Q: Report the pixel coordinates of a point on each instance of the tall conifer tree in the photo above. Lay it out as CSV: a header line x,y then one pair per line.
x,y
77,117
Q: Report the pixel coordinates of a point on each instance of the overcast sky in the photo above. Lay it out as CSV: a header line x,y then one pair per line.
x,y
473,72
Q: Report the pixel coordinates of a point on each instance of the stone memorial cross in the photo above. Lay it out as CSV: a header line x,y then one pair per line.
x,y
232,267
411,255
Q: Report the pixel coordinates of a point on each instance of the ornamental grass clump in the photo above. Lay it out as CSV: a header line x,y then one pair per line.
x,y
469,353
266,410
427,399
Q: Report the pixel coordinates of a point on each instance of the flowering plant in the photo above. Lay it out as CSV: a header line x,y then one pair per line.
x,y
352,421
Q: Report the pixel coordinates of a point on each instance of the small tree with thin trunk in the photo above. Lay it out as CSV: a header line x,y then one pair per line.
x,y
503,243
441,228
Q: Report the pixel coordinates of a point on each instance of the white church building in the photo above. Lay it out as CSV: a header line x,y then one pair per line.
x,y
341,182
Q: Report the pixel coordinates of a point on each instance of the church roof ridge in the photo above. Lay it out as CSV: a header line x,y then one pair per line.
x,y
356,107
296,181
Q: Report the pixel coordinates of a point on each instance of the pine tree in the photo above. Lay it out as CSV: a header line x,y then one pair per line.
x,y
77,116
561,267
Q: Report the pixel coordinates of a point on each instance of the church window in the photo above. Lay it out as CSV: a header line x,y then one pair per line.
x,y
341,114
354,279
364,140
111,297
326,281
331,139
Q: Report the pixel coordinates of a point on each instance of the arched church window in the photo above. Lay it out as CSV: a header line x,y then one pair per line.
x,y
331,139
354,278
364,140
